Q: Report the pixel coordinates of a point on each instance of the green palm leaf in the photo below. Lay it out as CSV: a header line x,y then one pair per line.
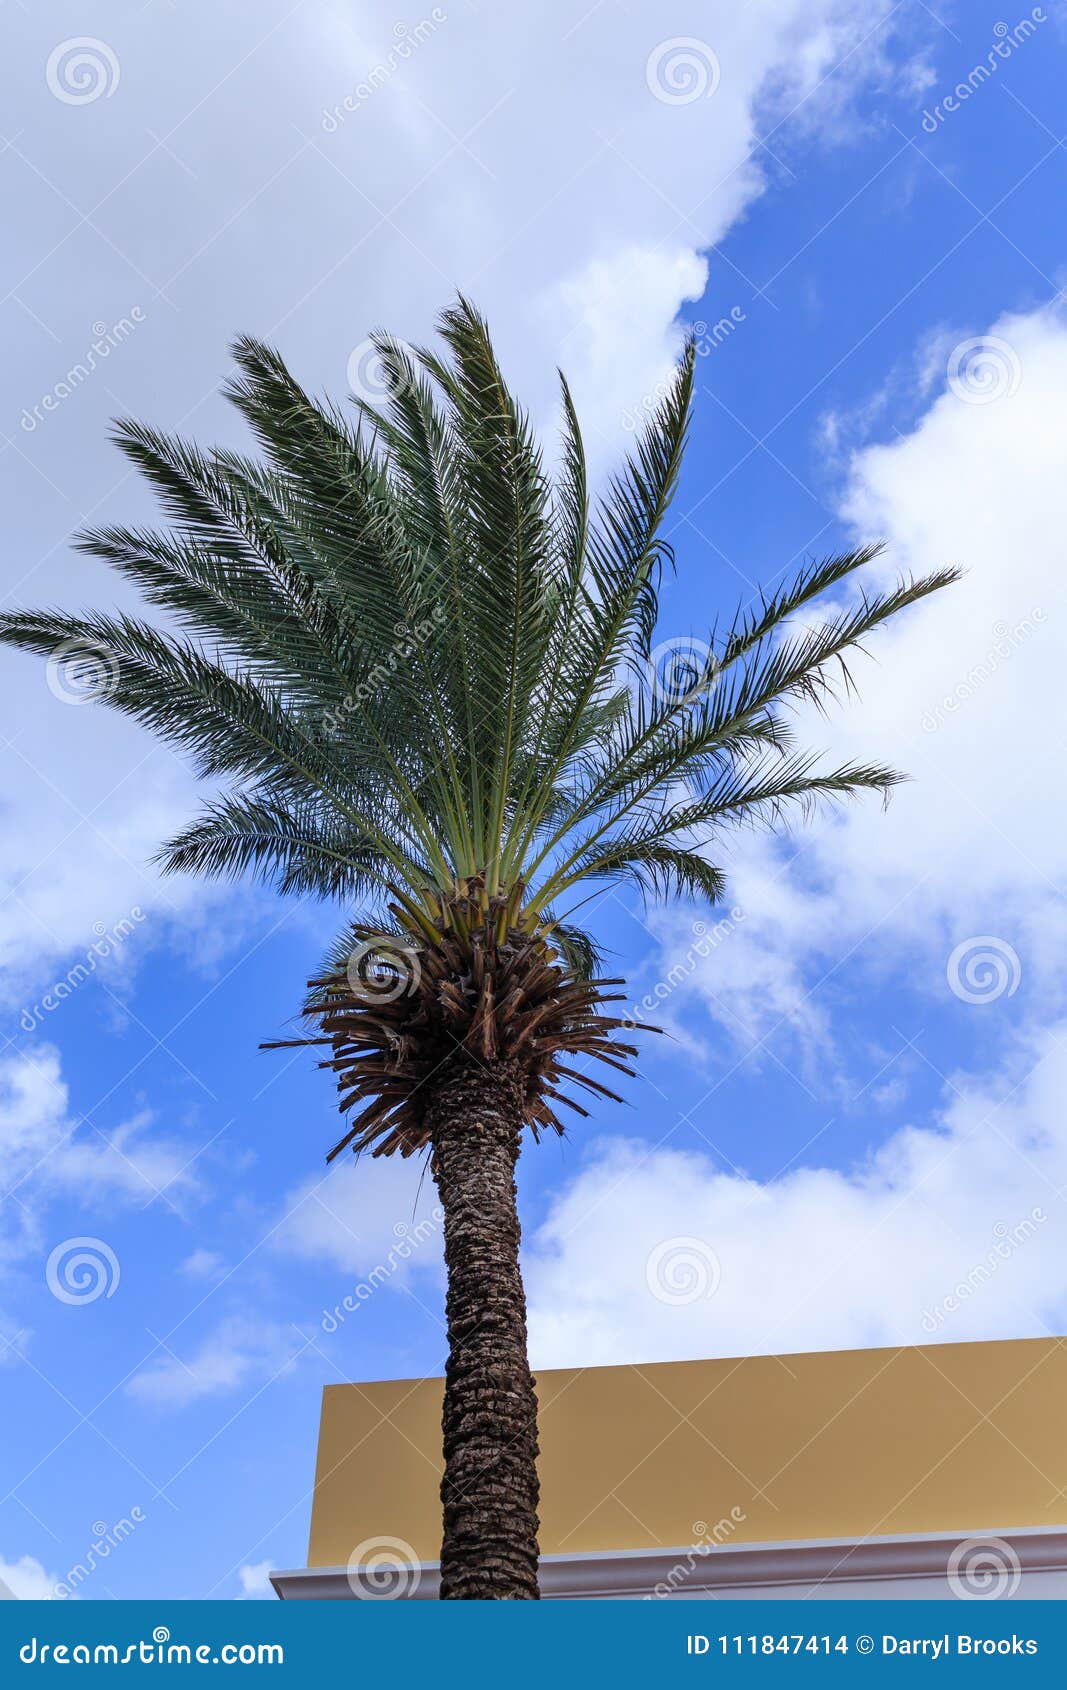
x,y
413,660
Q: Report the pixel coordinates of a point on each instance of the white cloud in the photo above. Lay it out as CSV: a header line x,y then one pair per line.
x,y
44,1151
963,695
365,1217
27,1580
581,248
203,1264
241,1351
33,1108
255,1580
92,803
952,1230
592,313
49,1158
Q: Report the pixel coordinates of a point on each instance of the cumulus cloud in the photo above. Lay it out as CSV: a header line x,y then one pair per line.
x,y
255,1581
26,1580
956,889
49,1157
399,171
952,1230
45,1151
636,116
961,693
87,802
961,686
366,1217
241,1352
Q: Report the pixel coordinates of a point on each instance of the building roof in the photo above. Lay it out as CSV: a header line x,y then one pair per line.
x,y
846,1444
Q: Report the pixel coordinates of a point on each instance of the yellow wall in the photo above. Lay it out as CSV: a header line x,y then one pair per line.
x,y
844,1444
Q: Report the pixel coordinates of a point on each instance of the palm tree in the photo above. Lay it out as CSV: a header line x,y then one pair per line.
x,y
421,671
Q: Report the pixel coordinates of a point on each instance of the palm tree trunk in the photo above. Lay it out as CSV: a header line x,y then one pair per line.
x,y
489,1489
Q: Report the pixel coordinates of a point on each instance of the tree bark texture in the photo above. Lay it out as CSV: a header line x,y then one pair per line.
x,y
489,1490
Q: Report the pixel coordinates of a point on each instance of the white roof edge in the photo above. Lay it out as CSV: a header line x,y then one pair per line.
x,y
717,1567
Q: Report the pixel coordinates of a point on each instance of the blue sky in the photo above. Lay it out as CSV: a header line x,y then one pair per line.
x,y
847,1125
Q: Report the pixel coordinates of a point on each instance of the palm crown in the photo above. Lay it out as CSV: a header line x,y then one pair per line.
x,y
422,669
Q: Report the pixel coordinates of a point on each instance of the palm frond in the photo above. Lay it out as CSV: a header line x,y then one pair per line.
x,y
415,668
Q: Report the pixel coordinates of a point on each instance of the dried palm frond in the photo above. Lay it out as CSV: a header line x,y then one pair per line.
x,y
469,977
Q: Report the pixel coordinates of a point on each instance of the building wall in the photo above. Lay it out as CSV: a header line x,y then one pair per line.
x,y
965,1439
